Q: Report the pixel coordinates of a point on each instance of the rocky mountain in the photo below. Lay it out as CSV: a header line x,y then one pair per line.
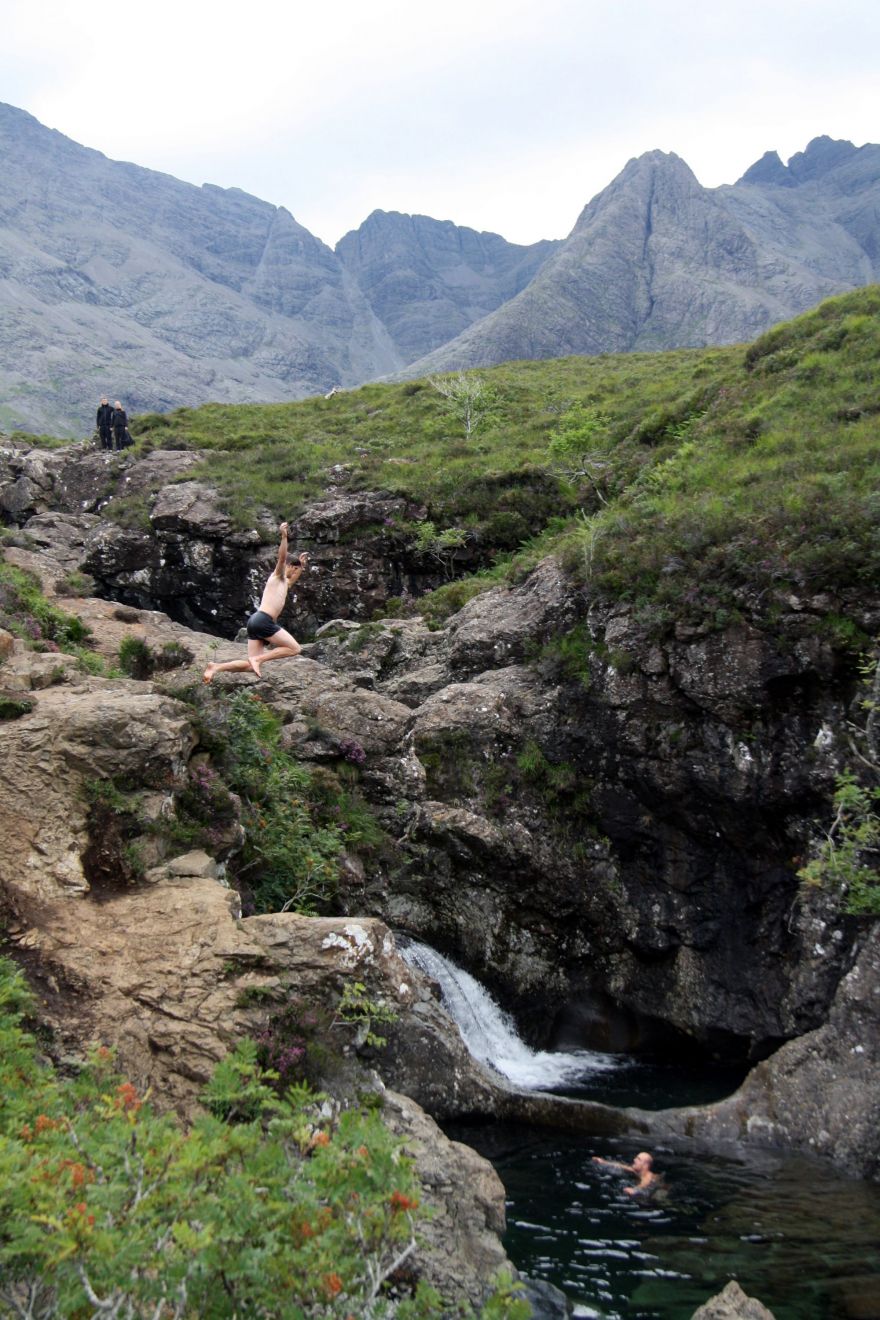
x,y
427,280
120,280
657,261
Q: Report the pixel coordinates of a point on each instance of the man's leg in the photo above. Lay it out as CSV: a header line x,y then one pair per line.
x,y
281,646
255,649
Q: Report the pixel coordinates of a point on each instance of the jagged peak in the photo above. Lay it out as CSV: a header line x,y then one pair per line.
x,y
819,156
638,173
769,169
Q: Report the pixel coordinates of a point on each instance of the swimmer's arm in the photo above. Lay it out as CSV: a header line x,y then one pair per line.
x,y
613,1164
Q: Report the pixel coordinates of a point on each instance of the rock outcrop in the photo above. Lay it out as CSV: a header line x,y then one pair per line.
x,y
174,548
164,969
732,1304
610,847
818,1092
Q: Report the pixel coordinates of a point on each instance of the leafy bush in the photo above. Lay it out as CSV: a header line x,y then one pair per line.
x,y
847,859
298,821
138,659
262,1207
26,613
13,707
75,583
135,657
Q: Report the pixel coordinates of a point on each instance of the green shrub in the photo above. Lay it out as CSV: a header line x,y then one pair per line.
x,y
135,658
13,707
75,583
262,1207
26,613
847,857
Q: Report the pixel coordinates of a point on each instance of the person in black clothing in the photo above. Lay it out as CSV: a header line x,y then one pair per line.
x,y
104,423
120,422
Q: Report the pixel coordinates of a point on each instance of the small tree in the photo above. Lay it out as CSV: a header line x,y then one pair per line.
x,y
470,398
441,545
576,448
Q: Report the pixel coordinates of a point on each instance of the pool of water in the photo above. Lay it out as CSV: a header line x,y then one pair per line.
x,y
653,1084
802,1240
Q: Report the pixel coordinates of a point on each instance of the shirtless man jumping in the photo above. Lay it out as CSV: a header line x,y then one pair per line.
x,y
263,626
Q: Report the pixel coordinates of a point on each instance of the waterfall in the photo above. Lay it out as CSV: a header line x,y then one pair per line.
x,y
490,1034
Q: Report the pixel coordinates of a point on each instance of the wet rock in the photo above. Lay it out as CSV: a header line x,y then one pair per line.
x,y
547,1302
461,1238
732,1304
818,1093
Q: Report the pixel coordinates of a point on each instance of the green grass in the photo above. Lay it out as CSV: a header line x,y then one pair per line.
x,y
722,473
403,439
26,613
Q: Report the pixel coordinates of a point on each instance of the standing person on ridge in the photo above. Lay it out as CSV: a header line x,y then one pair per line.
x,y
263,626
104,423
120,422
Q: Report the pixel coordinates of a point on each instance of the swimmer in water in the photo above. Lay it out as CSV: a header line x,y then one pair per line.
x,y
648,1181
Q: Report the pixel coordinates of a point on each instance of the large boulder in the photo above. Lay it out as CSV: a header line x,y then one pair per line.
x,y
89,731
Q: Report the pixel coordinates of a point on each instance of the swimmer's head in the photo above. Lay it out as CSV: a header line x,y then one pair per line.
x,y
643,1161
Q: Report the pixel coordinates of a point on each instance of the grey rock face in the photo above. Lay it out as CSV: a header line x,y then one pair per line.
x,y
427,280
819,1092
183,554
657,261
128,282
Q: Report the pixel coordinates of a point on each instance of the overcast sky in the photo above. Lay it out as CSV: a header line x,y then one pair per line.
x,y
503,116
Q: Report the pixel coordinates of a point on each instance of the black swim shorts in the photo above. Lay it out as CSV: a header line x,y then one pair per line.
x,y
261,626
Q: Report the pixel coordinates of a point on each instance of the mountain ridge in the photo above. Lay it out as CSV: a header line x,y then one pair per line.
x,y
655,260
115,279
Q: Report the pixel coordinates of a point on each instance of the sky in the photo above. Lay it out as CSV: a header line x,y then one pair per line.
x,y
501,116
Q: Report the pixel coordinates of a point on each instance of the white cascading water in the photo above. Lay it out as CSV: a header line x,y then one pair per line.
x,y
490,1034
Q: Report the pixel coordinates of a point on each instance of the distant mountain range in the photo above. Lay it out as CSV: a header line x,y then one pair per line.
x,y
119,280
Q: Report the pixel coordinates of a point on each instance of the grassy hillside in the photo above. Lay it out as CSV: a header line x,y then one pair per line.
x,y
686,480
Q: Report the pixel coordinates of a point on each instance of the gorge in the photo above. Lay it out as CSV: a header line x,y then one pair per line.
x,y
594,797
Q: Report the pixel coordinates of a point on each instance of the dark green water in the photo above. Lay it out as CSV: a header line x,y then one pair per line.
x,y
805,1242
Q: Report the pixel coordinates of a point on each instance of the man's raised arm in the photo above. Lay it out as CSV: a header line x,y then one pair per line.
x,y
282,552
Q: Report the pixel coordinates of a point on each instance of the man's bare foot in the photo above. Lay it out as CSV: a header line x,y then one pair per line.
x,y
255,665
209,673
